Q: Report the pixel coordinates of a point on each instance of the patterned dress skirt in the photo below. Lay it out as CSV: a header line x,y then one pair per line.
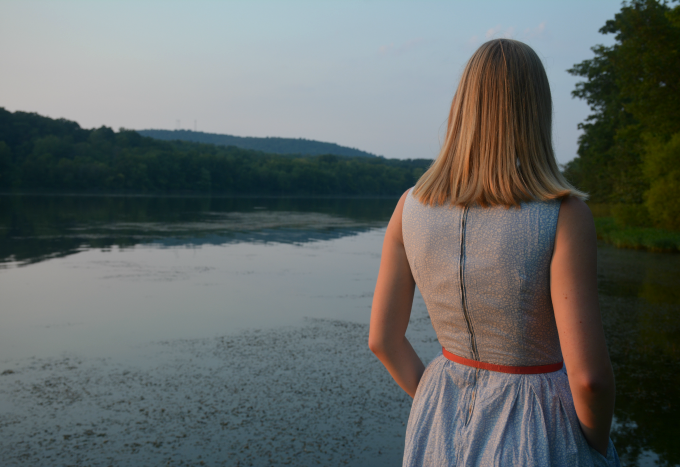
x,y
465,416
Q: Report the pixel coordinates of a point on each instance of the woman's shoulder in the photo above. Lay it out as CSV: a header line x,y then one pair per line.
x,y
406,198
394,228
574,211
575,224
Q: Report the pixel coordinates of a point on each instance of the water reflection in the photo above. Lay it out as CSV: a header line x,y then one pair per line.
x,y
34,228
640,301
125,271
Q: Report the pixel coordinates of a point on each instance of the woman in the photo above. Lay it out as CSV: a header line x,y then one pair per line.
x,y
503,250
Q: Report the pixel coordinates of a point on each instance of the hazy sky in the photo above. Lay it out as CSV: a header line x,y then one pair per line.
x,y
375,75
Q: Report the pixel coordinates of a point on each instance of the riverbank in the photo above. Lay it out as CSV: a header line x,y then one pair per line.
x,y
638,237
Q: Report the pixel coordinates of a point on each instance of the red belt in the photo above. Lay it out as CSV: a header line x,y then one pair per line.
x,y
516,370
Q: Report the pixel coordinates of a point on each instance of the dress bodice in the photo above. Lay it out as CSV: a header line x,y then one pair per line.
x,y
484,274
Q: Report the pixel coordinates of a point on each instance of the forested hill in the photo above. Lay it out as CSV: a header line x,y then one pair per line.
x,y
269,145
43,154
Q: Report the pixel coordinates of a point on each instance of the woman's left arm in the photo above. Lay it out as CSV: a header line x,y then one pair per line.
x,y
391,309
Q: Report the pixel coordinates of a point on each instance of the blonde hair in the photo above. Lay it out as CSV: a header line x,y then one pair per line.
x,y
498,147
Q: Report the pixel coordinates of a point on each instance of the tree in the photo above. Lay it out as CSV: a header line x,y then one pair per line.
x,y
45,154
633,89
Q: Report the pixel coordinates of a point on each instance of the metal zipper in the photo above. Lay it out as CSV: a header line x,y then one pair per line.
x,y
468,321
461,274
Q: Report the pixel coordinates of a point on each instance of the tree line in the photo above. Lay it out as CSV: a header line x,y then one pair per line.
x,y
628,154
629,151
271,145
38,153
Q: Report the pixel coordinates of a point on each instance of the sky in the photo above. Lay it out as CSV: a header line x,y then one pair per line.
x,y
374,75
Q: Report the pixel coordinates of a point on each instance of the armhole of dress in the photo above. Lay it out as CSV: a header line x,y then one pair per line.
x,y
557,218
403,209
406,206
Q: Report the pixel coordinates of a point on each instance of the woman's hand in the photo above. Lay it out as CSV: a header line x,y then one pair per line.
x,y
391,309
573,287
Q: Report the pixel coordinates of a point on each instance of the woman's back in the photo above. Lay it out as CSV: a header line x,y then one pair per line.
x,y
498,395
485,276
504,251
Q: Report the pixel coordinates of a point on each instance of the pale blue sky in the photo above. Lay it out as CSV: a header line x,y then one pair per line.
x,y
375,75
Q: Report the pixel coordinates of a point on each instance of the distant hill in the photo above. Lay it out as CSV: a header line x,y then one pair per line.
x,y
43,154
299,146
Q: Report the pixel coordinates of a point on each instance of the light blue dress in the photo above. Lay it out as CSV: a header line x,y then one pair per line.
x,y
484,276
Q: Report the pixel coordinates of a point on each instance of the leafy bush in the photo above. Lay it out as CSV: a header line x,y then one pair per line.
x,y
662,168
631,215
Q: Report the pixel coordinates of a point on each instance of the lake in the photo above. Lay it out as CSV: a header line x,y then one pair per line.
x,y
233,331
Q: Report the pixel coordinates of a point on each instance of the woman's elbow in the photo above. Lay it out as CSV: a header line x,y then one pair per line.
x,y
595,384
382,344
376,344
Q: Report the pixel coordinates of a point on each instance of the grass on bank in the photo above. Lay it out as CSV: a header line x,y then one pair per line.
x,y
619,229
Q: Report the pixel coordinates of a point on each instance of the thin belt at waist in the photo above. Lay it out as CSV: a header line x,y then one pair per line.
x,y
517,370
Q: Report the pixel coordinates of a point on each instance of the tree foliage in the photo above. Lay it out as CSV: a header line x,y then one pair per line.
x,y
269,145
662,165
39,153
633,89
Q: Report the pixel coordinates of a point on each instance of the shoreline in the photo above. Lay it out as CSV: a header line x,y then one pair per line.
x,y
638,238
192,194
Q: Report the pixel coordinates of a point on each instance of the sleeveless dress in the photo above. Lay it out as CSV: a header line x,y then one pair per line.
x,y
484,276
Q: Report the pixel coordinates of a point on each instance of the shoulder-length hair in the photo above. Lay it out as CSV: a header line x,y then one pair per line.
x,y
498,148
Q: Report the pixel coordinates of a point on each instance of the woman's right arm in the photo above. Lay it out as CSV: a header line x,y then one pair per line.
x,y
573,287
391,310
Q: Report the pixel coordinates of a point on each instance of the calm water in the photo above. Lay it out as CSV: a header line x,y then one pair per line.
x,y
98,275
101,276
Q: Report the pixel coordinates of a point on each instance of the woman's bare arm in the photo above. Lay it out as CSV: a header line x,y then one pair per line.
x,y
391,309
573,286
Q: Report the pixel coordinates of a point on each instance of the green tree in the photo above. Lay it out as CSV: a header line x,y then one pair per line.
x,y
662,166
632,88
